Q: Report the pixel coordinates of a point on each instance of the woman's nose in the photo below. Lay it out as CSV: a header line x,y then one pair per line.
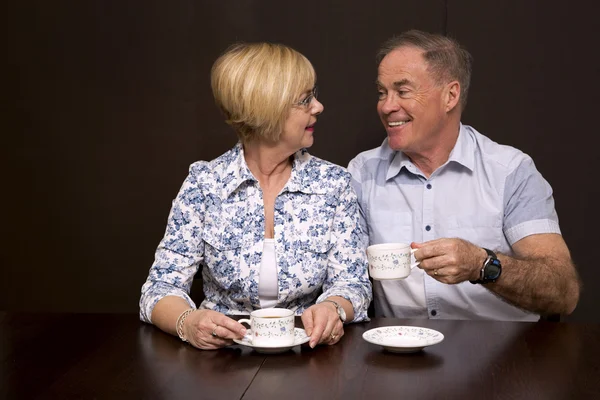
x,y
317,107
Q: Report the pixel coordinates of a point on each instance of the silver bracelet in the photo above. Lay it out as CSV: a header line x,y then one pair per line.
x,y
181,321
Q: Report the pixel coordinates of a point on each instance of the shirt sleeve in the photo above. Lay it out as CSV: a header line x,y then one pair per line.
x,y
347,274
528,203
181,250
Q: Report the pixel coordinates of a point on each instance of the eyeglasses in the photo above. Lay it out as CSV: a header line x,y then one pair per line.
x,y
308,99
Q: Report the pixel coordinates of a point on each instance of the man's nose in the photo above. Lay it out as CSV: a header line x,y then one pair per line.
x,y
390,104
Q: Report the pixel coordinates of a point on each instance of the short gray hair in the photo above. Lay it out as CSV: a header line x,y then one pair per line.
x,y
446,59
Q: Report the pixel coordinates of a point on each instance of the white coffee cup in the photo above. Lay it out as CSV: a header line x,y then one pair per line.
x,y
271,327
390,260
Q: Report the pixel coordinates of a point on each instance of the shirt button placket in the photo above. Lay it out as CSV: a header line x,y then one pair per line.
x,y
278,227
428,234
428,211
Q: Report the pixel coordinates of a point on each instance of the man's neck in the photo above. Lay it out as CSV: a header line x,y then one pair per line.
x,y
437,154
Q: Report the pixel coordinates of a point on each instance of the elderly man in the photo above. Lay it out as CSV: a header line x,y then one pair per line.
x,y
480,215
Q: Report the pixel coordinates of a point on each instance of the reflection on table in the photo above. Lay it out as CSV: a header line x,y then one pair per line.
x,y
116,356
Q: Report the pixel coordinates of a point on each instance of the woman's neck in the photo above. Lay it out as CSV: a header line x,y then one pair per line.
x,y
267,162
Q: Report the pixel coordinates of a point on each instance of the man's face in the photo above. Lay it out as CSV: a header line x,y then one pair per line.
x,y
410,102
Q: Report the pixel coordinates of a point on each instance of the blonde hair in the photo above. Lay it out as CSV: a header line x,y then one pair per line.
x,y
256,84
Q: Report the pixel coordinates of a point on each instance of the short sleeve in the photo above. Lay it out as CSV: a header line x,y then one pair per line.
x,y
528,203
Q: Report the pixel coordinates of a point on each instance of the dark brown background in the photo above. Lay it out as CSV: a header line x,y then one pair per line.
x,y
107,103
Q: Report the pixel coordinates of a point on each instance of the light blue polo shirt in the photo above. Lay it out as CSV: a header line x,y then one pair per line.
x,y
489,194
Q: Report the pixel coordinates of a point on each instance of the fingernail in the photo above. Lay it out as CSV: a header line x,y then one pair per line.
x,y
243,331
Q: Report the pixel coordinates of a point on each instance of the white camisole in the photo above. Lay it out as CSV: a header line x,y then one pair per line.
x,y
267,279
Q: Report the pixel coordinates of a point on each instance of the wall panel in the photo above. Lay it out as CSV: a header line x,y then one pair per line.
x,y
108,103
535,87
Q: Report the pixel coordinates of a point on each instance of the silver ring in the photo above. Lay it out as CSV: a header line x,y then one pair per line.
x,y
214,334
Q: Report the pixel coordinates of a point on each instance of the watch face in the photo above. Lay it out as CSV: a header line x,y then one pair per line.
x,y
342,314
492,269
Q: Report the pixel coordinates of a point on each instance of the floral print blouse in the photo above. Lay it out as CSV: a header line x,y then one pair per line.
x,y
217,224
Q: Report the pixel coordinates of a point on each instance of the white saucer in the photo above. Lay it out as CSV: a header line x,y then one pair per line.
x,y
403,339
300,337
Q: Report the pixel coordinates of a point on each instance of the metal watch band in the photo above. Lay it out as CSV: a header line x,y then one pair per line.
x,y
337,308
335,303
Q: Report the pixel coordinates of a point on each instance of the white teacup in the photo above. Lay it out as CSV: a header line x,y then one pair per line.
x,y
271,327
390,260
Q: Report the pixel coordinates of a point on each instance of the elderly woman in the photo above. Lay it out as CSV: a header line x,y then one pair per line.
x,y
270,225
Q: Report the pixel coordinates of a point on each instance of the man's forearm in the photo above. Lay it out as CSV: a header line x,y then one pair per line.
x,y
541,285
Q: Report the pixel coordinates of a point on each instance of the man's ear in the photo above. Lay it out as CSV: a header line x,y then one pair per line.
x,y
452,95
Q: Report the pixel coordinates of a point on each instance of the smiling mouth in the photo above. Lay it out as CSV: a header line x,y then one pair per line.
x,y
393,124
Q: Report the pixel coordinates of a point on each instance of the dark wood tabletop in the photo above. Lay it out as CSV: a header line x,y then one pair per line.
x,y
115,356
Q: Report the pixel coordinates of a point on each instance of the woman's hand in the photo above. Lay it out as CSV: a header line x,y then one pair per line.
x,y
209,330
322,323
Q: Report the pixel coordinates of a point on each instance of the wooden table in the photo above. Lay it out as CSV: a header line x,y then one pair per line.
x,y
100,356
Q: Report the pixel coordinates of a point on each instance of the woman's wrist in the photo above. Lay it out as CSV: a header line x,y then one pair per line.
x,y
181,321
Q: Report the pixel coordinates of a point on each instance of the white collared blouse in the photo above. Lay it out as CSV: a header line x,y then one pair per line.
x,y
217,223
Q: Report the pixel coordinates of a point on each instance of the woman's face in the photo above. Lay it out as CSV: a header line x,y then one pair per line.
x,y
300,125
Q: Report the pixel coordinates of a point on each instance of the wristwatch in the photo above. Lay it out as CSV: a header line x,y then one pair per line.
x,y
491,270
340,310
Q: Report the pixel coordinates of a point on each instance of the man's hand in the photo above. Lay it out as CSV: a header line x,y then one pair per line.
x,y
450,261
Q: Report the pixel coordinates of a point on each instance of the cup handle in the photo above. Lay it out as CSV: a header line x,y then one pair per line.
x,y
245,321
248,335
412,252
